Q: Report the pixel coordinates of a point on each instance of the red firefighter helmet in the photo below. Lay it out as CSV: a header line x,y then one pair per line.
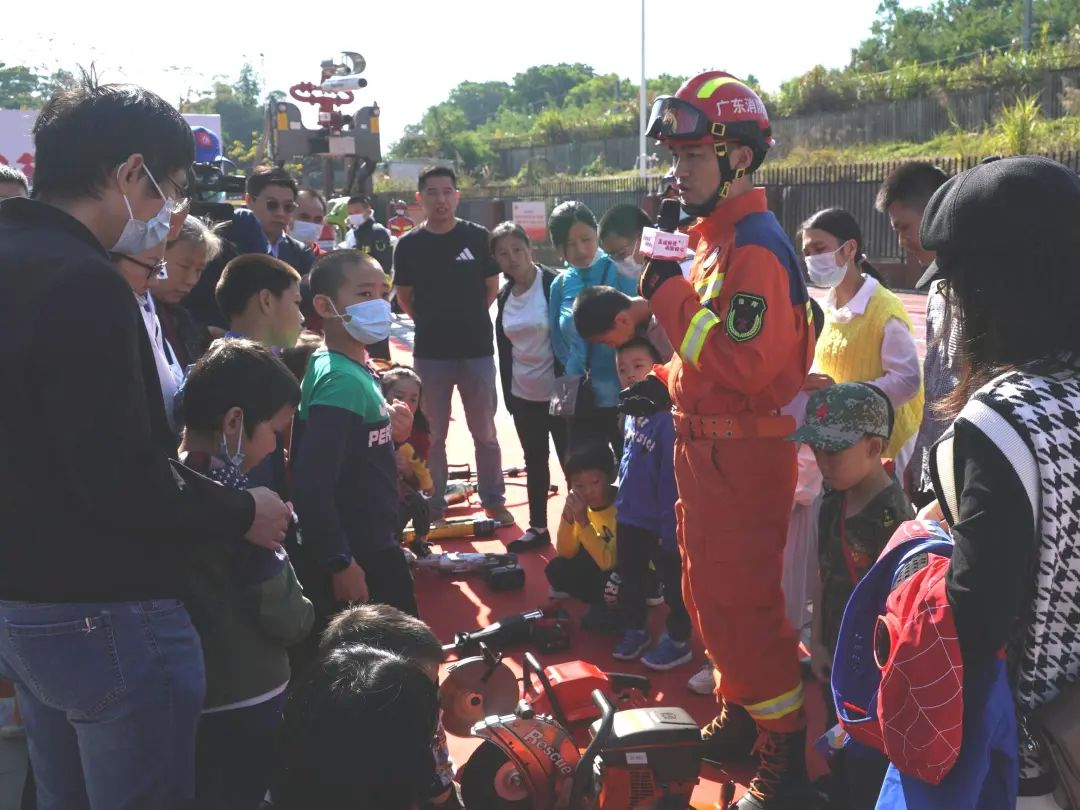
x,y
713,107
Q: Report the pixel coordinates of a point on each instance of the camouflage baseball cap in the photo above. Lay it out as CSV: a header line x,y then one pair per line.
x,y
840,415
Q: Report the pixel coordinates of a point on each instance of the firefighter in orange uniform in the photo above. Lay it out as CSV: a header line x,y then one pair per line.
x,y
745,345
400,223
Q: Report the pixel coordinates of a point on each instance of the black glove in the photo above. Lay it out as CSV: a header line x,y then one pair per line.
x,y
657,271
645,398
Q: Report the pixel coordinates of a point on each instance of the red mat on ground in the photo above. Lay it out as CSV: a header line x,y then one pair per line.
x,y
454,605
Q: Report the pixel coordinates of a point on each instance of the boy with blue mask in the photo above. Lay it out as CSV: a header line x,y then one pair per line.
x,y
345,473
245,601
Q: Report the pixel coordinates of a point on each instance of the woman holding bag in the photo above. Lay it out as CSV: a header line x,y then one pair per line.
x,y
528,369
574,233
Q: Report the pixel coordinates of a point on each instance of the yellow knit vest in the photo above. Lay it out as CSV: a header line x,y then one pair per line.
x,y
851,352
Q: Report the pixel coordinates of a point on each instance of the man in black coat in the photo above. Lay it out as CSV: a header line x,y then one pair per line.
x,y
95,512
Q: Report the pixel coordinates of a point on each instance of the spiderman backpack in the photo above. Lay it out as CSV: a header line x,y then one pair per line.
x,y
901,688
897,674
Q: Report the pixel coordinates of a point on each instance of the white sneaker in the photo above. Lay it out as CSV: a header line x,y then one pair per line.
x,y
702,682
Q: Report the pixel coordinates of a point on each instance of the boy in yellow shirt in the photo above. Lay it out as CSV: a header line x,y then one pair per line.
x,y
585,566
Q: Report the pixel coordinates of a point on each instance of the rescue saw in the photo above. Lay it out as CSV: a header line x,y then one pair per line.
x,y
637,759
640,758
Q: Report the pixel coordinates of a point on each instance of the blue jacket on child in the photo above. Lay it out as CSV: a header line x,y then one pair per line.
x,y
647,491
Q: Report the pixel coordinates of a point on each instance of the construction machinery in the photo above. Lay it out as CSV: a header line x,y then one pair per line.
x,y
352,136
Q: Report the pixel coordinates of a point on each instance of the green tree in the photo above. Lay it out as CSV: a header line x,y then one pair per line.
x,y
242,113
956,29
663,85
544,104
547,85
479,101
247,87
603,91
20,88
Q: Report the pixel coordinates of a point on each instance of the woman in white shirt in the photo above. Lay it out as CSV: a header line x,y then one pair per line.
x,y
137,271
528,369
867,335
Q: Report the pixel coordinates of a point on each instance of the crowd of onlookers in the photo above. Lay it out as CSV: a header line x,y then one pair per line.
x,y
199,483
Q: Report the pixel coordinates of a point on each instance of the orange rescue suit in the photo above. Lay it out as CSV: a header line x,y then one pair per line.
x,y
742,329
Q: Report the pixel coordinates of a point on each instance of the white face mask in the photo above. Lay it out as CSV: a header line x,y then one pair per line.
x,y
306,232
139,236
629,267
824,270
367,322
356,220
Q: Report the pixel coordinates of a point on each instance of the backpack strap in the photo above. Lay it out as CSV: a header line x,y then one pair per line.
x,y
1006,438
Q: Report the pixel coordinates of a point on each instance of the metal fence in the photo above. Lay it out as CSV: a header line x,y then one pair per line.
x,y
619,152
794,195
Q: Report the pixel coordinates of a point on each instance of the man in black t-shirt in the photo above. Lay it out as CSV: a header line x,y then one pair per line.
x,y
446,282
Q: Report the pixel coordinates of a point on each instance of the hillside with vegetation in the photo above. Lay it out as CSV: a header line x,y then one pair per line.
x,y
948,46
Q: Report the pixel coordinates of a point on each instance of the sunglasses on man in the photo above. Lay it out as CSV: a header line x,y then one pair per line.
x,y
273,205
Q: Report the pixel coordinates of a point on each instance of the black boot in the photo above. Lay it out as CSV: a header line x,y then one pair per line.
x,y
730,737
532,539
780,782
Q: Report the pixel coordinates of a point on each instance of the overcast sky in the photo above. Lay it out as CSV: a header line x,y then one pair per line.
x,y
416,52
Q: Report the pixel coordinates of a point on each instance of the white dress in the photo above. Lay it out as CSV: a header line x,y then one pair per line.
x,y
801,549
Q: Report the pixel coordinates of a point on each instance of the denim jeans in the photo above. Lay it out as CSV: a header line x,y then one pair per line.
x,y
110,694
475,381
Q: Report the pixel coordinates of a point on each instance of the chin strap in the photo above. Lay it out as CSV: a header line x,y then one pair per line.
x,y
728,176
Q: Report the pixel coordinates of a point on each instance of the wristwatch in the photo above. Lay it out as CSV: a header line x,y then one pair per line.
x,y
339,563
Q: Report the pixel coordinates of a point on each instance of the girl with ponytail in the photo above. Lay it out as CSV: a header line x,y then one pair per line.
x,y
867,335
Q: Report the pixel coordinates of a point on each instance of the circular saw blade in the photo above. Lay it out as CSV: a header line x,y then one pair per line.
x,y
491,780
473,690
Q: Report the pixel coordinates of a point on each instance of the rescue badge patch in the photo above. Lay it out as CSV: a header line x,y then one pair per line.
x,y
746,316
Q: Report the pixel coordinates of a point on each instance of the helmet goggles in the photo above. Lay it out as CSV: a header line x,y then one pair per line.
x,y
674,119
